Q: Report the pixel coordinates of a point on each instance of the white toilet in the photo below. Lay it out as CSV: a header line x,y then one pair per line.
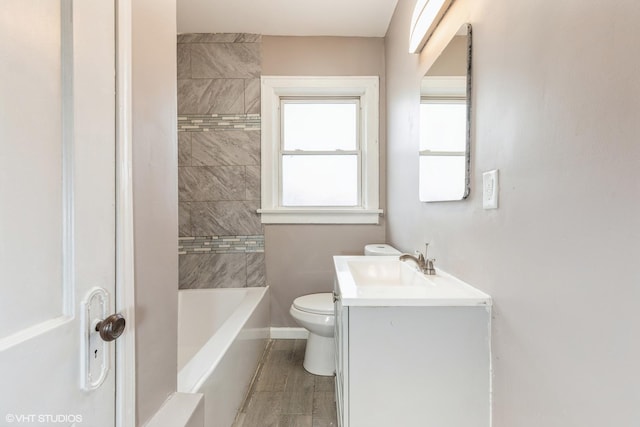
x,y
315,313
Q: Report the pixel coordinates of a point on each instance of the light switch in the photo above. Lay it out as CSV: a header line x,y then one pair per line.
x,y
490,189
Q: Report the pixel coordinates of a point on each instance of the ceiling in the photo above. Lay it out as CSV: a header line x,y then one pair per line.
x,y
358,18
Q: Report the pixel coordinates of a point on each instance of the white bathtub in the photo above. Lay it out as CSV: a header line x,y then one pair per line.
x,y
222,334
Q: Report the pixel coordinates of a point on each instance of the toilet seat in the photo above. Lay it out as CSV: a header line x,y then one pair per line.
x,y
315,303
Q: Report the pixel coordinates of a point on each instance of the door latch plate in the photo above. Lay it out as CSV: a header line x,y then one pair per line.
x,y
95,353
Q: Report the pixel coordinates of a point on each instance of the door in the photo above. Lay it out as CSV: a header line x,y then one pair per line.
x,y
57,202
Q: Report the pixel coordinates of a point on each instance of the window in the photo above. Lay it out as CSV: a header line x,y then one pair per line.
x,y
320,150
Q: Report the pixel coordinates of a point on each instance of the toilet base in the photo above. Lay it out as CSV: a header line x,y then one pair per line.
x,y
319,357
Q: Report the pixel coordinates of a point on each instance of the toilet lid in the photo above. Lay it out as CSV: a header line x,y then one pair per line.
x,y
315,303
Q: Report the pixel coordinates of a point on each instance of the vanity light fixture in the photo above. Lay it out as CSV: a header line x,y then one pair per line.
x,y
425,19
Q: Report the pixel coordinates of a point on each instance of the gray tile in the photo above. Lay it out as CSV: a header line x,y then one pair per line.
x,y
253,182
208,37
248,38
252,96
297,403
184,61
263,410
228,147
277,362
286,346
211,183
184,219
239,421
300,382
233,218
225,60
324,384
295,421
324,405
256,275
212,271
290,402
273,376
324,422
184,148
272,379
257,374
210,96
299,347
280,356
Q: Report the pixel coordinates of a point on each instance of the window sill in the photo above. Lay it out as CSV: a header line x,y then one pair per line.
x,y
320,216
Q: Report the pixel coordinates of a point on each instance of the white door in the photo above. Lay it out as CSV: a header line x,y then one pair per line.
x,y
57,239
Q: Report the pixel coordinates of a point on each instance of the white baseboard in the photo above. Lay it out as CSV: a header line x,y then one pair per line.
x,y
289,333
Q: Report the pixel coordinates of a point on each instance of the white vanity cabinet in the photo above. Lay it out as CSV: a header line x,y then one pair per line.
x,y
401,362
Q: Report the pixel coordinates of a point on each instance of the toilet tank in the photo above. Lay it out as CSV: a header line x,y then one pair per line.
x,y
381,249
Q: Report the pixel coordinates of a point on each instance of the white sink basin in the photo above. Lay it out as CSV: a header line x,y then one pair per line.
x,y
372,271
382,281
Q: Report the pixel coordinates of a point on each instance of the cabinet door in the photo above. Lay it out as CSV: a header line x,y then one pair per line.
x,y
418,366
341,340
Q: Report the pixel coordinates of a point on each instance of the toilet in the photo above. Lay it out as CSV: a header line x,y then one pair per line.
x,y
315,313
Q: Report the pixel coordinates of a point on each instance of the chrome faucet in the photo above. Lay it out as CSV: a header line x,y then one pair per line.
x,y
424,265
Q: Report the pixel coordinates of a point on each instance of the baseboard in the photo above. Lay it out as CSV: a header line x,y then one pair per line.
x,y
289,333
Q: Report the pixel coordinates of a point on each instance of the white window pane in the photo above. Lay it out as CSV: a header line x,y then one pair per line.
x,y
442,178
320,180
443,126
319,126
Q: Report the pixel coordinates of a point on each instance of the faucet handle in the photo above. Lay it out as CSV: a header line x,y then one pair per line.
x,y
429,269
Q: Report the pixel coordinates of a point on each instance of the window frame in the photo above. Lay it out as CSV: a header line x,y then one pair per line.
x,y
356,152
275,90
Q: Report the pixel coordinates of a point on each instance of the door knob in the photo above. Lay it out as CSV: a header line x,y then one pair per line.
x,y
111,327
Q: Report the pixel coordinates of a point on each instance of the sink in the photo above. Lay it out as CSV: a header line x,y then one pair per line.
x,y
386,281
371,271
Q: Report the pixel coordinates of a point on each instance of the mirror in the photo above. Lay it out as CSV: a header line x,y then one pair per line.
x,y
445,131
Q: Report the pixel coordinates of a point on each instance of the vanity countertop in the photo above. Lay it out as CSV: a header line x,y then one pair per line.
x,y
386,281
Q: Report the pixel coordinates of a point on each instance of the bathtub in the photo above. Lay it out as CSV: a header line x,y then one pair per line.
x,y
222,334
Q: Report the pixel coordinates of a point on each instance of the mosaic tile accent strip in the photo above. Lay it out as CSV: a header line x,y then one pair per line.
x,y
220,244
210,122
219,38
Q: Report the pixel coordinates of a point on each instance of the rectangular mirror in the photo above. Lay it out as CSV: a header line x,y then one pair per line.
x,y
445,123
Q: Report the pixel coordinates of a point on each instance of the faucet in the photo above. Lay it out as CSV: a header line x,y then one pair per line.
x,y
424,265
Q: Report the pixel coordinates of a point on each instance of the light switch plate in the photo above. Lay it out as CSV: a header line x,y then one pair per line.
x,y
490,188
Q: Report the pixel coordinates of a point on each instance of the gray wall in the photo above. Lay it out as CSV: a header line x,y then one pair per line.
x,y
221,238
555,108
155,200
299,257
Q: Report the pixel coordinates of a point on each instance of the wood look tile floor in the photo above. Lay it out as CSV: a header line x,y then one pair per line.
x,y
283,394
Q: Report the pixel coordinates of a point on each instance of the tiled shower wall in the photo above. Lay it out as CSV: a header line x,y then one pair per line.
x,y
221,241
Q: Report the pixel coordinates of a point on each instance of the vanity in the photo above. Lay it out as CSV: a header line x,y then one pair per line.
x,y
411,349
